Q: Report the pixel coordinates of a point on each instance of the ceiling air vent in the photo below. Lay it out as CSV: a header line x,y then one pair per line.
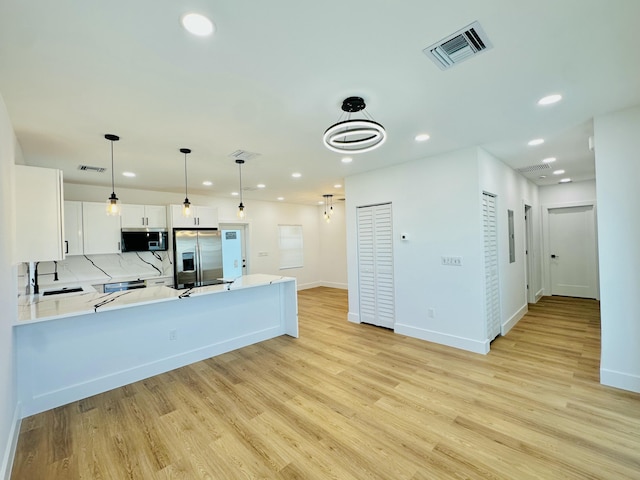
x,y
535,168
243,155
459,46
89,168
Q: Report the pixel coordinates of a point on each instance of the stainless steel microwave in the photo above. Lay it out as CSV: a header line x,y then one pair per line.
x,y
144,240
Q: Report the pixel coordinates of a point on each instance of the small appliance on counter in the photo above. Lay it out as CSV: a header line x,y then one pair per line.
x,y
197,257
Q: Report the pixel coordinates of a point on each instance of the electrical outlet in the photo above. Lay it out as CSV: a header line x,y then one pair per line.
x,y
173,335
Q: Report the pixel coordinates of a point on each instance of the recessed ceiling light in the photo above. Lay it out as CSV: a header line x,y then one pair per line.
x,y
558,172
565,180
235,194
536,141
337,185
422,137
550,99
347,160
261,185
296,175
280,198
549,160
542,176
128,174
207,183
320,202
197,24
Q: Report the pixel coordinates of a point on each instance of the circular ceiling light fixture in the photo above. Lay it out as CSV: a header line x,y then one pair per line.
x,y
423,137
351,135
197,24
535,142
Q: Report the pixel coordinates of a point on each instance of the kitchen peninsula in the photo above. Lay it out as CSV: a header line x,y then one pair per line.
x,y
75,346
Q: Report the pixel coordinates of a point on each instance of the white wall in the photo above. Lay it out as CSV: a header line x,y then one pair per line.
x,y
513,192
618,174
437,203
263,219
9,413
568,193
333,247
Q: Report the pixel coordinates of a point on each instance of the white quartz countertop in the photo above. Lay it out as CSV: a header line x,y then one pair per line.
x,y
35,308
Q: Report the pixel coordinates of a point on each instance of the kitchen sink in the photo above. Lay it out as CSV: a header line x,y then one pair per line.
x,y
63,290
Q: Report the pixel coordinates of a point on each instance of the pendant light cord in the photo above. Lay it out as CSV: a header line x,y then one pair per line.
x,y
113,183
240,168
185,176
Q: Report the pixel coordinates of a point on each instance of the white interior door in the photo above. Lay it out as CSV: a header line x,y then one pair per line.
x,y
491,268
572,249
375,265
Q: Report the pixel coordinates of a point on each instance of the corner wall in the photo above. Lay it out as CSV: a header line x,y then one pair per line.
x,y
435,202
618,170
9,412
513,192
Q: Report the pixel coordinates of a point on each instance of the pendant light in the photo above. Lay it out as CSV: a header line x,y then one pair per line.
x,y
186,206
328,207
112,202
353,135
241,213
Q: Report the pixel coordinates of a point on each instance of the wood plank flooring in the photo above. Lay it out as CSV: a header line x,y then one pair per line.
x,y
348,401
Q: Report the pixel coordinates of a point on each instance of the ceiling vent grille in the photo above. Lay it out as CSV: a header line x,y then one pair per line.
x,y
88,168
459,46
243,155
535,168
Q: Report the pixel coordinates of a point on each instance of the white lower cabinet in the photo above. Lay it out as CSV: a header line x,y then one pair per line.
x,y
101,231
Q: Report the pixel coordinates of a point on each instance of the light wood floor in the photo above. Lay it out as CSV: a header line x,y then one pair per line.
x,y
348,401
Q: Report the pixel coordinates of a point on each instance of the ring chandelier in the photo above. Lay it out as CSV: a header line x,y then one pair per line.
x,y
354,135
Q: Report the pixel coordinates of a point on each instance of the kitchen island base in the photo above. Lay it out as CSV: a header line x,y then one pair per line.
x,y
67,359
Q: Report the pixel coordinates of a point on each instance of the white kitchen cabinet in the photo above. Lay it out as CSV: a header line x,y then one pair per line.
x,y
202,217
141,216
39,214
73,228
101,231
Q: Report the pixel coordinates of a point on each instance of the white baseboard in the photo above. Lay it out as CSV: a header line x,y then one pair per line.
x,y
539,294
12,444
341,286
462,343
353,317
515,318
304,286
624,381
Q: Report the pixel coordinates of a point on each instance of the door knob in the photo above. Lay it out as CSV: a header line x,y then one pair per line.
x,y
554,256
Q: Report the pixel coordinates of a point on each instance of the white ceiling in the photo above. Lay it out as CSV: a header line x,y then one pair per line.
x,y
273,76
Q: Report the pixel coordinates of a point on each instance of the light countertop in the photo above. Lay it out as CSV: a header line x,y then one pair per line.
x,y
36,308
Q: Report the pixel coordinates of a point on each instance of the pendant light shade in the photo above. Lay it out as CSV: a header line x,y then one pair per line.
x,y
241,212
186,205
354,135
112,202
328,207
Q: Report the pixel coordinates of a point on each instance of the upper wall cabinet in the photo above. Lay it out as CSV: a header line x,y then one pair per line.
x,y
73,228
39,214
101,231
143,216
201,217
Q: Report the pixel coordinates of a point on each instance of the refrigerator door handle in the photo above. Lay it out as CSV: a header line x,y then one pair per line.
x,y
199,265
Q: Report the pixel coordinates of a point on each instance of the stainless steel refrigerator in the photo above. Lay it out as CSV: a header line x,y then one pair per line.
x,y
197,257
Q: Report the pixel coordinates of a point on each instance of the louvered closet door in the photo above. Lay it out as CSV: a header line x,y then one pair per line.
x,y
492,285
375,265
